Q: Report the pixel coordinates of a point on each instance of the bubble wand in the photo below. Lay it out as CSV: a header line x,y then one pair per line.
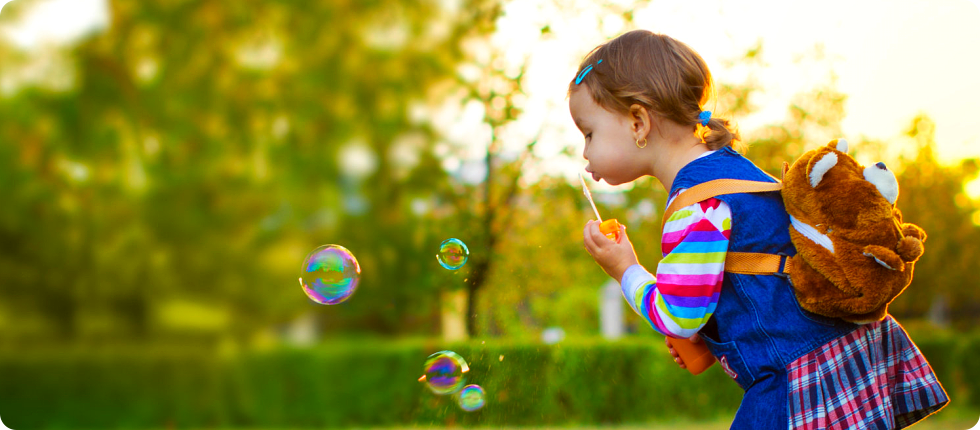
x,y
609,227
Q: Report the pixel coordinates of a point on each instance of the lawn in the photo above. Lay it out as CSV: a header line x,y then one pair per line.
x,y
934,423
951,419
923,425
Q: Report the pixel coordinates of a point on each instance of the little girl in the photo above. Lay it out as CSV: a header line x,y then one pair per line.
x,y
638,99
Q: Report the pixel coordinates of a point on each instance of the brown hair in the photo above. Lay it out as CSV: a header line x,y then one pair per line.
x,y
660,73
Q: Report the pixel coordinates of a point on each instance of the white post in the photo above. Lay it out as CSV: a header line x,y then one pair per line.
x,y
453,314
611,310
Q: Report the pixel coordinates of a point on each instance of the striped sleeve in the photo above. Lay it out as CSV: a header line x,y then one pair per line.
x,y
684,294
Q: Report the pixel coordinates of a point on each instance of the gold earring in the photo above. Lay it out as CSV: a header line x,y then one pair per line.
x,y
644,145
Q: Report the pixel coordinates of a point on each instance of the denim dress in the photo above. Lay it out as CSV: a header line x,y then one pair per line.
x,y
797,367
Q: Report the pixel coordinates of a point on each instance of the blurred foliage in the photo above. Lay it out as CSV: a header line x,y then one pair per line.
x,y
166,180
205,148
363,383
932,196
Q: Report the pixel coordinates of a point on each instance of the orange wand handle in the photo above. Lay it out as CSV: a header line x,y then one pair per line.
x,y
610,228
696,356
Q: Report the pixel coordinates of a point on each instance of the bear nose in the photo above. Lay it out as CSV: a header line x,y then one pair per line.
x,y
881,165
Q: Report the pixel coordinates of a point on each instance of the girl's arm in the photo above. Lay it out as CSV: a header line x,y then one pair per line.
x,y
683,296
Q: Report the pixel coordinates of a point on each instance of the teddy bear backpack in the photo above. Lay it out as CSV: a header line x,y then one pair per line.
x,y
854,253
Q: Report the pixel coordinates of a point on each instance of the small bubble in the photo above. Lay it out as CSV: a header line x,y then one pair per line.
x,y
453,254
444,372
330,274
501,357
471,398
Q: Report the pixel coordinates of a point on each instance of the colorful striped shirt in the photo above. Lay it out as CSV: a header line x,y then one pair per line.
x,y
684,294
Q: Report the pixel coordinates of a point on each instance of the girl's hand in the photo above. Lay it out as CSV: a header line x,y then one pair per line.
x,y
613,256
677,358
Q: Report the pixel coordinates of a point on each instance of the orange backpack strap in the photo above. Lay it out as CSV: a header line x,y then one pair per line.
x,y
754,263
736,262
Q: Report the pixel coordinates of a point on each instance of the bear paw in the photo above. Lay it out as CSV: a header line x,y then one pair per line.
x,y
912,230
885,257
910,249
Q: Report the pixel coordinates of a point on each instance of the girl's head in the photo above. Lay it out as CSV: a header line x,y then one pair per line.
x,y
664,76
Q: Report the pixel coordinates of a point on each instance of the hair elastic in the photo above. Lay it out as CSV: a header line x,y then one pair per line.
x,y
585,71
704,116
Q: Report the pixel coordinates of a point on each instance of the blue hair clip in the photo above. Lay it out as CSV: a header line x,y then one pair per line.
x,y
585,71
704,116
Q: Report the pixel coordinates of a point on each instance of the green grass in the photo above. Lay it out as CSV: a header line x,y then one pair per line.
x,y
947,419
932,423
922,425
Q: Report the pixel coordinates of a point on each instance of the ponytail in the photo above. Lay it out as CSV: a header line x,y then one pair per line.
x,y
720,133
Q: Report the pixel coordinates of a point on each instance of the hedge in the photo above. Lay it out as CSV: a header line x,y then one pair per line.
x,y
374,383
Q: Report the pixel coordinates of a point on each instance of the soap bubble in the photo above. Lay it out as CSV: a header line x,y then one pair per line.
x,y
445,372
330,274
453,254
472,397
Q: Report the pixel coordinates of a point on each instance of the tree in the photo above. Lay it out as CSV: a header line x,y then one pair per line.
x,y
205,148
932,196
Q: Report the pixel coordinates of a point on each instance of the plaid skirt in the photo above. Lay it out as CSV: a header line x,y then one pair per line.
x,y
872,378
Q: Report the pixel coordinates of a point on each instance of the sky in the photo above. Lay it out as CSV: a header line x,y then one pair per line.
x,y
893,58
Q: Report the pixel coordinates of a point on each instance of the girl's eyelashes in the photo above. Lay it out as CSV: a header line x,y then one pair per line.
x,y
588,135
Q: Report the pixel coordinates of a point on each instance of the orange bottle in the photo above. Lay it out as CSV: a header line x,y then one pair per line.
x,y
696,356
610,228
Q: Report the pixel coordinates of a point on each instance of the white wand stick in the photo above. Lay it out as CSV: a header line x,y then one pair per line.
x,y
588,195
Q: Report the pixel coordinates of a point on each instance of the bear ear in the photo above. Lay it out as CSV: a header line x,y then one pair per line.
x,y
816,170
842,145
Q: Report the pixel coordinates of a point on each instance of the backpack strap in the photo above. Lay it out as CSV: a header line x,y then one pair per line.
x,y
750,263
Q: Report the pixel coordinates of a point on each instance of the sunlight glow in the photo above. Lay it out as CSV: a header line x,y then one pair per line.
x,y
57,22
890,74
972,189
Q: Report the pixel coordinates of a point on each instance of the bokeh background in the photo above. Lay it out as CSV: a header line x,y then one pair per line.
x,y
165,166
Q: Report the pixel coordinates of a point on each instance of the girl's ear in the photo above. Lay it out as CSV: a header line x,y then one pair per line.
x,y
641,121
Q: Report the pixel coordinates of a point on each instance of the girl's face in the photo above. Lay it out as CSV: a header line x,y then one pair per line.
x,y
610,145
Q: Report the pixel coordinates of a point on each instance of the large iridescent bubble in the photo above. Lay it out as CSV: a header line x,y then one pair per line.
x,y
330,274
453,254
445,372
472,397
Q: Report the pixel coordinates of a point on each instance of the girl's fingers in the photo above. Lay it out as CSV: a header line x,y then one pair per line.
x,y
595,233
590,244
